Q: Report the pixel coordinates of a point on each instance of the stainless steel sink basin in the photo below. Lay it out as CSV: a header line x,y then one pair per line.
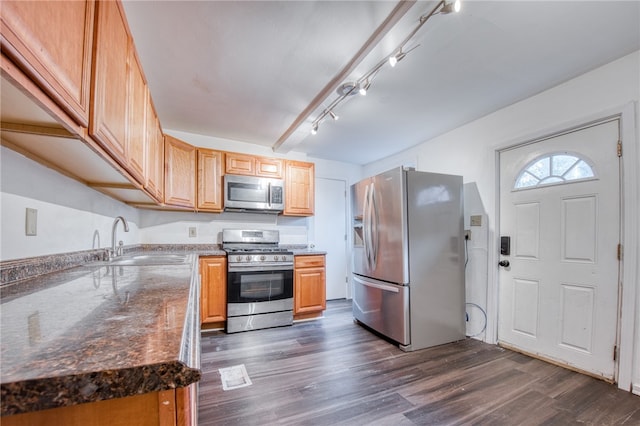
x,y
148,259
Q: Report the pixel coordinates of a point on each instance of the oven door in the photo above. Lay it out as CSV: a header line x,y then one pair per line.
x,y
252,285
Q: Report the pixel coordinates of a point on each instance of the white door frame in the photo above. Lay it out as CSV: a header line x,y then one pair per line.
x,y
630,213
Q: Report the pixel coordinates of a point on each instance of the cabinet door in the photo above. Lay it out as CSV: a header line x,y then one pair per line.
x,y
210,180
269,167
213,299
240,164
180,173
137,132
299,191
52,42
155,153
309,284
108,124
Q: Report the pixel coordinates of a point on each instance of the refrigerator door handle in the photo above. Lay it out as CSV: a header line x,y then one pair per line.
x,y
366,231
383,287
375,222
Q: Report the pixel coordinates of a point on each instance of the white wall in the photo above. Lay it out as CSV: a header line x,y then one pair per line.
x,y
71,216
470,151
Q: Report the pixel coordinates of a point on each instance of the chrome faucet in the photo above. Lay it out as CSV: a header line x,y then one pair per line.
x,y
117,252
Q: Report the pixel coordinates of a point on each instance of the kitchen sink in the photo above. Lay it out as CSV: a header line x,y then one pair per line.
x,y
147,259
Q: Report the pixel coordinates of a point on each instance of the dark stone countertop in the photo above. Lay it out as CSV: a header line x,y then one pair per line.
x,y
97,332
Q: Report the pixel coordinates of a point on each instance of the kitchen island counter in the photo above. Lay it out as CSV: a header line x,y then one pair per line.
x,y
97,332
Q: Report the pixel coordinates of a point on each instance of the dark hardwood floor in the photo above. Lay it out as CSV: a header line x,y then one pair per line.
x,y
334,372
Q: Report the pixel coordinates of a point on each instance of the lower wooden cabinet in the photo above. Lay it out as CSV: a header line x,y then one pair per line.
x,y
165,408
309,286
213,297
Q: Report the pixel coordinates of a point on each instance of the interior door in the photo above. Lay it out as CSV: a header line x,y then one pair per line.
x,y
330,234
560,209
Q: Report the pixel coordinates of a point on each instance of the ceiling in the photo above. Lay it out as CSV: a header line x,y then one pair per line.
x,y
262,71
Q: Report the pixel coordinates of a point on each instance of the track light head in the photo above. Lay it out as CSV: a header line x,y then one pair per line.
x,y
314,129
333,115
450,7
394,59
364,87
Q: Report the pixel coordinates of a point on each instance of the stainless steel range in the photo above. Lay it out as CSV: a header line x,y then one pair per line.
x,y
259,280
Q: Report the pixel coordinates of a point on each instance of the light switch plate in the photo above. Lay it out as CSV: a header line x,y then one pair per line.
x,y
31,222
476,220
192,232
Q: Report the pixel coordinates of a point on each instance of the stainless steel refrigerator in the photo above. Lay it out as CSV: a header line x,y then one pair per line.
x,y
408,257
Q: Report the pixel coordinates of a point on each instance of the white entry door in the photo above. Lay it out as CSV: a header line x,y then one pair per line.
x,y
560,207
330,233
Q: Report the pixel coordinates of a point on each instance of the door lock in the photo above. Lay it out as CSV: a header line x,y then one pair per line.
x,y
504,263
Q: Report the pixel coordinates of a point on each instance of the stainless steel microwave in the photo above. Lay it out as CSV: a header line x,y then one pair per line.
x,y
253,194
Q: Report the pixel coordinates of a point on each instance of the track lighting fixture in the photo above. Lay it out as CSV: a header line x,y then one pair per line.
x,y
361,86
364,87
450,7
394,59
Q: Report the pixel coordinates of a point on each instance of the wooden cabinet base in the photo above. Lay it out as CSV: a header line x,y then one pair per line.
x,y
308,316
164,408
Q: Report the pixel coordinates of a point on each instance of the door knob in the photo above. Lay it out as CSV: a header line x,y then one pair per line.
x,y
504,263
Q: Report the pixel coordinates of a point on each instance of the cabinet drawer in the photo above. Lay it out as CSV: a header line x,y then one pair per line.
x,y
309,261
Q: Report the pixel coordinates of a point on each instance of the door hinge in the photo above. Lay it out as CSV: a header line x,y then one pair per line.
x,y
346,280
620,252
615,352
619,148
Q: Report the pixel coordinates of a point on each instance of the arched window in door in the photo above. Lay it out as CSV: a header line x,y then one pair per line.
x,y
554,169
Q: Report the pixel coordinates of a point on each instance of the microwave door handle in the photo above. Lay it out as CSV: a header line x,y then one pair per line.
x,y
269,194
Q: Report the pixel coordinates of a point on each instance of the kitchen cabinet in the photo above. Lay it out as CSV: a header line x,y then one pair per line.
x,y
210,180
108,123
52,42
299,191
309,286
179,173
251,165
136,130
164,408
155,153
213,297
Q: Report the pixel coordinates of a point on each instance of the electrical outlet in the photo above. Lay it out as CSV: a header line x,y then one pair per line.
x,y
31,222
467,234
192,232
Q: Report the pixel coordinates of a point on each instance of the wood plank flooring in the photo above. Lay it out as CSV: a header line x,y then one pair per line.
x,y
334,372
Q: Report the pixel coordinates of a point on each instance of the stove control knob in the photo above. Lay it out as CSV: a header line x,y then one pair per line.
x,y
248,258
263,257
275,258
238,258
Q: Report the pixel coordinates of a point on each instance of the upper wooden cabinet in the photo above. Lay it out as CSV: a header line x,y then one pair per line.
x,y
137,136
108,124
299,191
180,173
52,42
155,153
269,167
210,180
251,165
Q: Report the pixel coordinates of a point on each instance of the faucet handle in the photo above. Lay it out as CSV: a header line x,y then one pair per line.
x,y
120,250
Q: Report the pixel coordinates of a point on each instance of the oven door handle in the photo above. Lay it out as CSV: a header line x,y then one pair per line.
x,y
262,267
